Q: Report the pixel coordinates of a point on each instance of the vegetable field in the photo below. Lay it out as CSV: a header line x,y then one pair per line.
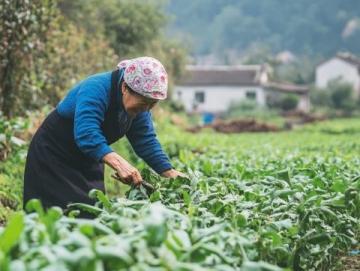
x,y
281,201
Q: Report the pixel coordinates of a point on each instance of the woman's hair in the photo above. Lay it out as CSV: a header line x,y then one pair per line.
x,y
127,87
131,91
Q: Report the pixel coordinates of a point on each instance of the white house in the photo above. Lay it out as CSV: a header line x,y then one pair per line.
x,y
214,88
343,66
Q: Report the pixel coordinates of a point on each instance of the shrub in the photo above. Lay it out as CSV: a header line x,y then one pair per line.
x,y
289,102
338,95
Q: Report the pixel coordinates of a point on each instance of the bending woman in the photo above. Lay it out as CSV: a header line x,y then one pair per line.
x,y
67,153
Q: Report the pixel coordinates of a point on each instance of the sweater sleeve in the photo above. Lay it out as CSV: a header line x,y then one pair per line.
x,y
91,104
142,138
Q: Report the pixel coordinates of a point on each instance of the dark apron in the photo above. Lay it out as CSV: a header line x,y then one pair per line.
x,y
56,170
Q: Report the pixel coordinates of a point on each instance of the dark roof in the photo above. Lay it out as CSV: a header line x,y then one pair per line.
x,y
349,58
287,87
221,75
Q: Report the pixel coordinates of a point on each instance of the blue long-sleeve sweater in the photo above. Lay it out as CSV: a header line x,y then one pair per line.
x,y
87,103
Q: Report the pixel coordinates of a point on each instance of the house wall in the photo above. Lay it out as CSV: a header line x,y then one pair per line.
x,y
217,98
337,68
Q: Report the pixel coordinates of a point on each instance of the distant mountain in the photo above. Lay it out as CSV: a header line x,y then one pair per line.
x,y
304,27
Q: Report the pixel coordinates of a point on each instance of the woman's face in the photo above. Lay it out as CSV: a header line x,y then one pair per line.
x,y
135,103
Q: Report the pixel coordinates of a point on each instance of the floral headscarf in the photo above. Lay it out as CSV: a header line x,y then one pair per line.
x,y
146,76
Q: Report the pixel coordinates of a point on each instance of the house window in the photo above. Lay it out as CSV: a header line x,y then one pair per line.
x,y
250,95
200,96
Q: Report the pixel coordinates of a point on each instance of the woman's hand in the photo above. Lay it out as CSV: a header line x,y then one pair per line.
x,y
126,173
172,173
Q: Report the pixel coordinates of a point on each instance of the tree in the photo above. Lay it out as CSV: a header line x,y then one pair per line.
x,y
320,97
289,102
47,46
23,28
303,27
342,96
132,28
338,95
128,25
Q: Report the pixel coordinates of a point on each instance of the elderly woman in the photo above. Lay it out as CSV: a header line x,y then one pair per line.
x,y
67,154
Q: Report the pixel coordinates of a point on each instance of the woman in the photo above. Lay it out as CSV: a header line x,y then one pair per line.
x,y
67,154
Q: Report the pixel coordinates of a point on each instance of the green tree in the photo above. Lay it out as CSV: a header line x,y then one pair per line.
x,y
132,28
47,46
128,25
342,95
303,27
320,97
337,96
23,29
289,102
69,55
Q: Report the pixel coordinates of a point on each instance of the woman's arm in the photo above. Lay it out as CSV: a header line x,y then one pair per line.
x,y
143,139
91,104
126,172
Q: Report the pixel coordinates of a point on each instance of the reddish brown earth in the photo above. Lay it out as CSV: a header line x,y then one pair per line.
x,y
238,126
350,263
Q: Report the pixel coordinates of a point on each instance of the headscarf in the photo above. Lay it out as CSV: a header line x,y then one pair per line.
x,y
146,76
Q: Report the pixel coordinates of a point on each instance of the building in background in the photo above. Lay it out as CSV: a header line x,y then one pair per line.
x,y
214,88
275,89
343,66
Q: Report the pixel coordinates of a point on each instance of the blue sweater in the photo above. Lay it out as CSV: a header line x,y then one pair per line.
x,y
87,103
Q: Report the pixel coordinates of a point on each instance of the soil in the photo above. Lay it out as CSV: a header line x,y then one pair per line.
x,y
350,263
237,126
299,117
293,119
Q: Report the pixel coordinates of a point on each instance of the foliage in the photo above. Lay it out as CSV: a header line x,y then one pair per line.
x,y
129,26
23,29
48,46
285,102
249,109
132,28
303,27
289,102
70,54
9,129
288,204
43,54
232,213
249,201
342,96
320,97
126,234
258,54
247,105
12,152
301,71
338,95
